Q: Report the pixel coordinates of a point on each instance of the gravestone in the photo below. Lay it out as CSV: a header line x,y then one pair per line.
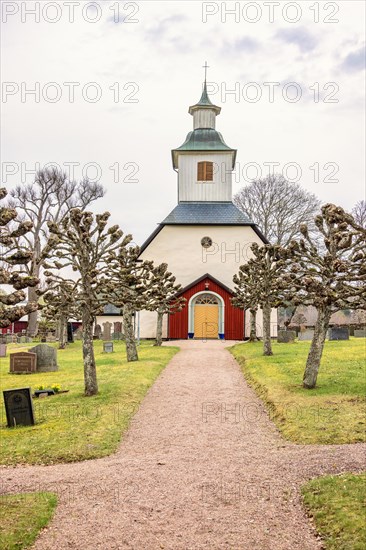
x,y
339,333
286,336
46,358
107,331
108,347
78,335
97,331
2,350
19,407
359,333
70,334
23,363
306,335
117,336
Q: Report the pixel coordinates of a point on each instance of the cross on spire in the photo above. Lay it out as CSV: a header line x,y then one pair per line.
x,y
205,66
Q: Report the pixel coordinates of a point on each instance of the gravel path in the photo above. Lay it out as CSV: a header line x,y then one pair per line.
x,y
202,466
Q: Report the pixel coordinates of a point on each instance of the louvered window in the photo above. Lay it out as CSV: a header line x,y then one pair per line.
x,y
205,171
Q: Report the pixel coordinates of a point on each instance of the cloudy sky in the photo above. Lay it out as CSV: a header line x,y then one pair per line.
x,y
112,83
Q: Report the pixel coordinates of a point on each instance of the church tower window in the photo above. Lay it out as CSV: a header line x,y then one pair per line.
x,y
205,171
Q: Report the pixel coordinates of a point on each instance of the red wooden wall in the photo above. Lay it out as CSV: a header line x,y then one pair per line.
x,y
234,317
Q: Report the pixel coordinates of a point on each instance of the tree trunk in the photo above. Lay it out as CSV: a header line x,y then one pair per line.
x,y
159,329
32,329
253,326
316,349
131,349
90,370
62,332
267,344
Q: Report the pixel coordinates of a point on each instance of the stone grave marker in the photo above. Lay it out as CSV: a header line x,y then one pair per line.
x,y
97,332
23,363
70,334
107,347
107,331
46,358
286,336
306,335
117,336
359,333
2,350
19,407
339,333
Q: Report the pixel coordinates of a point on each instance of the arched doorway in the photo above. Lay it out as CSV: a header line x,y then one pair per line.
x,y
206,316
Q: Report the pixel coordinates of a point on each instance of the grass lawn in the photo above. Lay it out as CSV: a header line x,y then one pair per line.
x,y
333,412
338,506
70,427
22,517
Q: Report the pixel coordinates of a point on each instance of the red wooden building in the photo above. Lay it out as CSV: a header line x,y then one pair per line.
x,y
208,312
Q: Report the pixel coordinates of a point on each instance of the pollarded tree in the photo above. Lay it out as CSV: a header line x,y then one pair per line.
x,y
126,287
258,284
48,199
62,304
162,297
12,257
84,243
278,207
251,304
331,277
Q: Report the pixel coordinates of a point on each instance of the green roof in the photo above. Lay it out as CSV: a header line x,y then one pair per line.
x,y
204,102
203,139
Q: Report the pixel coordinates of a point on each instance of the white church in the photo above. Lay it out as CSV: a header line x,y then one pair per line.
x,y
204,240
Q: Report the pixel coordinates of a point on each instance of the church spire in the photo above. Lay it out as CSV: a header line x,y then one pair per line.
x,y
204,112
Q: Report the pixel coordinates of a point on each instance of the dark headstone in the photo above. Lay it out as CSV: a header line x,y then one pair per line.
x,y
339,333
19,407
117,336
2,350
306,335
44,393
23,363
107,330
70,334
359,333
286,336
97,331
108,347
46,358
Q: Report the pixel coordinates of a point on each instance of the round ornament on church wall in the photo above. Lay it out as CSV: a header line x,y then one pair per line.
x,y
206,242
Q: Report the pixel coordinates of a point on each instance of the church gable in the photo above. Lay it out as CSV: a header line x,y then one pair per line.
x,y
190,250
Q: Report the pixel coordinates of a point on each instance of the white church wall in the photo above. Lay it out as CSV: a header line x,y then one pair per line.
x,y
180,246
218,190
259,323
148,324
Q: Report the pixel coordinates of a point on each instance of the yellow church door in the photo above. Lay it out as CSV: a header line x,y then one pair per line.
x,y
206,321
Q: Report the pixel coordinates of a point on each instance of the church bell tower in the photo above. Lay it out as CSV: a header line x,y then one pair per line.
x,y
204,162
